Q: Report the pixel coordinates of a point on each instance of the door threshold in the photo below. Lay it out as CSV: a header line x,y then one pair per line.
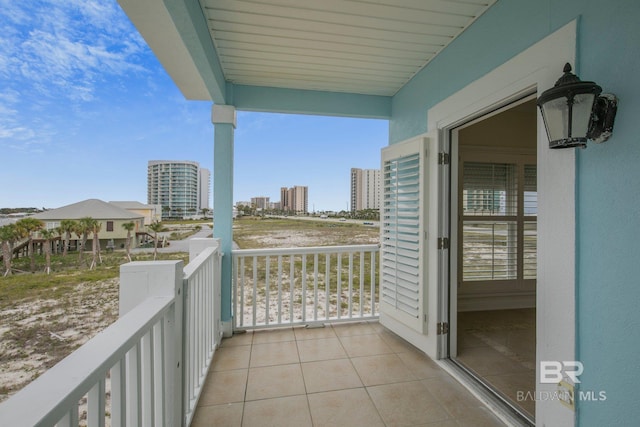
x,y
501,408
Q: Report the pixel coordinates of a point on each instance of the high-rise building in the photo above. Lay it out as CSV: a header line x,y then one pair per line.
x,y
365,189
284,198
180,187
260,202
294,199
204,189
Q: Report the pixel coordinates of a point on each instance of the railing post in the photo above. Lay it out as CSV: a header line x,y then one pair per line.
x,y
198,244
142,280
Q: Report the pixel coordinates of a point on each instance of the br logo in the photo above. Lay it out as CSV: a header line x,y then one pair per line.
x,y
552,371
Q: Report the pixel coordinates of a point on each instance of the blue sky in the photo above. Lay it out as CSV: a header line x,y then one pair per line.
x,y
84,105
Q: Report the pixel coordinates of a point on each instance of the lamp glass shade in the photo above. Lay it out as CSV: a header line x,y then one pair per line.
x,y
582,108
567,120
567,110
555,115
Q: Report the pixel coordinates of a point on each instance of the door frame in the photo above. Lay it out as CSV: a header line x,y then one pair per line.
x,y
535,69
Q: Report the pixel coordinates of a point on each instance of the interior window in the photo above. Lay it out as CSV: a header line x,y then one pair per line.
x,y
499,232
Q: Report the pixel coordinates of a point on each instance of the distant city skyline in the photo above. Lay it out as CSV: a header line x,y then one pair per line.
x,y
85,105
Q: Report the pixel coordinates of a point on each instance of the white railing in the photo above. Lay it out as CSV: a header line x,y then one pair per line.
x,y
132,373
278,287
202,329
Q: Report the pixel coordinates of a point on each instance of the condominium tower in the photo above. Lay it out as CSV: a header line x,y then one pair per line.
x,y
260,202
365,189
295,199
180,187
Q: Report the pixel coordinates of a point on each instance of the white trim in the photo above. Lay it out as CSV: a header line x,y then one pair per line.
x,y
536,68
152,19
224,114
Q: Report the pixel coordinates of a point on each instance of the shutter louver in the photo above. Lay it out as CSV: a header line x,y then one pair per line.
x,y
401,237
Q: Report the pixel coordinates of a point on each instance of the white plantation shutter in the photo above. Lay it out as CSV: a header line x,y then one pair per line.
x,y
402,230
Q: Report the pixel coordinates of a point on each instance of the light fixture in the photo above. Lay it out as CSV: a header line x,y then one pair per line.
x,y
575,111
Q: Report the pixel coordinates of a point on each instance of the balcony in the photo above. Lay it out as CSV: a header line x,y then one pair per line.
x,y
307,351
344,374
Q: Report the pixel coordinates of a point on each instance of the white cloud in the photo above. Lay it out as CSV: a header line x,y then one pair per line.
x,y
66,48
19,133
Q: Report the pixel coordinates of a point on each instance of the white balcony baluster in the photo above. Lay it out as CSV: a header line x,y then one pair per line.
x,y
322,295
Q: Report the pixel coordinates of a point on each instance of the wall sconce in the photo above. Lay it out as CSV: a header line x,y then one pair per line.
x,y
574,111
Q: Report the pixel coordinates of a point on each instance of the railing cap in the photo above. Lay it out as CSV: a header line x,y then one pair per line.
x,y
307,250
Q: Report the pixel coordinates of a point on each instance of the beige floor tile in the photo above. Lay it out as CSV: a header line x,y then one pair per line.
x,y
382,369
342,408
224,387
488,361
406,404
468,339
454,397
278,353
229,415
227,358
507,359
364,345
403,386
314,333
329,375
274,335
396,343
320,349
290,411
511,384
484,419
443,423
421,365
274,381
245,338
350,329
377,327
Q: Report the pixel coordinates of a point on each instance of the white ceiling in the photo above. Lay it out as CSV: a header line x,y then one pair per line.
x,y
359,46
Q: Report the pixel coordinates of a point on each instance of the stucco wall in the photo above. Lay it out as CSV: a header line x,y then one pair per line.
x,y
608,176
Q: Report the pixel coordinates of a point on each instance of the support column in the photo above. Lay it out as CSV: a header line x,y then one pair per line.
x,y
223,118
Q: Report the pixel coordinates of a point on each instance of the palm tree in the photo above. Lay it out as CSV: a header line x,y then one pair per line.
x,y
67,226
83,228
28,227
129,226
47,235
96,226
155,227
8,236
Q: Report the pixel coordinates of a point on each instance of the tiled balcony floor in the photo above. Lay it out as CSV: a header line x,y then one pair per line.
x,y
347,375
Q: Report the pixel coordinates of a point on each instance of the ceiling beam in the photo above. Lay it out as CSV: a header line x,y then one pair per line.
x,y
296,101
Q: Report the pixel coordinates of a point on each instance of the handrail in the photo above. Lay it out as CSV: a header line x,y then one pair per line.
x,y
201,324
47,399
196,263
306,250
154,358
